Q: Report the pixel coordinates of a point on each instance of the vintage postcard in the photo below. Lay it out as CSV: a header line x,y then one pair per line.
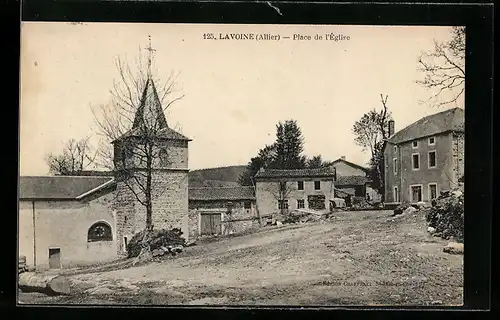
x,y
241,165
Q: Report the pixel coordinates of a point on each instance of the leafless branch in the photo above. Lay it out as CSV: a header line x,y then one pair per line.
x,y
141,152
444,68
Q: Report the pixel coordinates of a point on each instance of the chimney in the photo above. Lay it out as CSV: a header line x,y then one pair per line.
x,y
391,127
343,157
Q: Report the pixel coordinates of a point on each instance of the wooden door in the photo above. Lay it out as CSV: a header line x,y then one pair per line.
x,y
54,258
216,224
210,223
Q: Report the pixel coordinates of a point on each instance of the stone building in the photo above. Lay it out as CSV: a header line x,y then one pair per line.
x,y
352,180
221,210
169,174
424,158
355,186
67,221
286,190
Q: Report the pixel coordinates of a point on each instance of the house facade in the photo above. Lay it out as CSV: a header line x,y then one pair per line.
x,y
221,210
345,168
352,180
68,221
288,190
355,186
425,158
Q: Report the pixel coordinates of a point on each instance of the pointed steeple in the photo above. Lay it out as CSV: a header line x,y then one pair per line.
x,y
149,115
150,111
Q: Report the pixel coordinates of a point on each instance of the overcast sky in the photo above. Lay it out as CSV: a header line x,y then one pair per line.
x,y
235,91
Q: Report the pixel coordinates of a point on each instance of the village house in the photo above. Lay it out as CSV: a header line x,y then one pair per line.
x,y
288,190
425,158
221,210
352,180
345,168
68,221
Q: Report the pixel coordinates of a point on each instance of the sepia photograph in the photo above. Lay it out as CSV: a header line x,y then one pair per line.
x,y
176,164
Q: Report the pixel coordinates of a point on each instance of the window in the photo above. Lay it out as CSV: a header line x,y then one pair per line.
x,y
414,144
432,141
125,244
415,161
300,185
416,193
432,159
395,149
317,185
283,204
247,205
300,204
395,194
163,155
432,191
99,231
395,165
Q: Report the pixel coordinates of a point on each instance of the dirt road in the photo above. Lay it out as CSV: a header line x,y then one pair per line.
x,y
356,258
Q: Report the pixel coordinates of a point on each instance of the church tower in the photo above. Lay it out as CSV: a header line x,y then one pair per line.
x,y
150,154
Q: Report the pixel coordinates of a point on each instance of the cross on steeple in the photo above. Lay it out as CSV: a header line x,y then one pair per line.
x,y
151,50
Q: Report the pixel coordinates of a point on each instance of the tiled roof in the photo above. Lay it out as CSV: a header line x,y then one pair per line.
x,y
58,187
166,133
341,193
350,164
296,173
448,120
95,173
225,193
351,180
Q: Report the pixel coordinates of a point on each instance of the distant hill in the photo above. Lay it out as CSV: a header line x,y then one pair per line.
x,y
216,177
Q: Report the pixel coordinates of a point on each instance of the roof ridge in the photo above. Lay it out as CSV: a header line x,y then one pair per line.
x,y
440,112
220,187
429,116
325,167
229,166
66,176
439,122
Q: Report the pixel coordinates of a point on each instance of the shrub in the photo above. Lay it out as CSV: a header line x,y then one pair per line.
x,y
154,239
291,218
446,215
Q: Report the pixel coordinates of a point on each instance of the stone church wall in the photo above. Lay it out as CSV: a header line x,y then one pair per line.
x,y
170,206
65,225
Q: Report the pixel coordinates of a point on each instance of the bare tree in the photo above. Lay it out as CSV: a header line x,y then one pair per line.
x,y
281,191
75,157
134,123
444,69
370,133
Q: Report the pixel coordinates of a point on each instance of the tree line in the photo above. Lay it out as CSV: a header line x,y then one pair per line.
x,y
286,152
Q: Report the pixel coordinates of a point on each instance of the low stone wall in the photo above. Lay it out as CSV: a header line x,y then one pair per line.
x,y
230,225
240,225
